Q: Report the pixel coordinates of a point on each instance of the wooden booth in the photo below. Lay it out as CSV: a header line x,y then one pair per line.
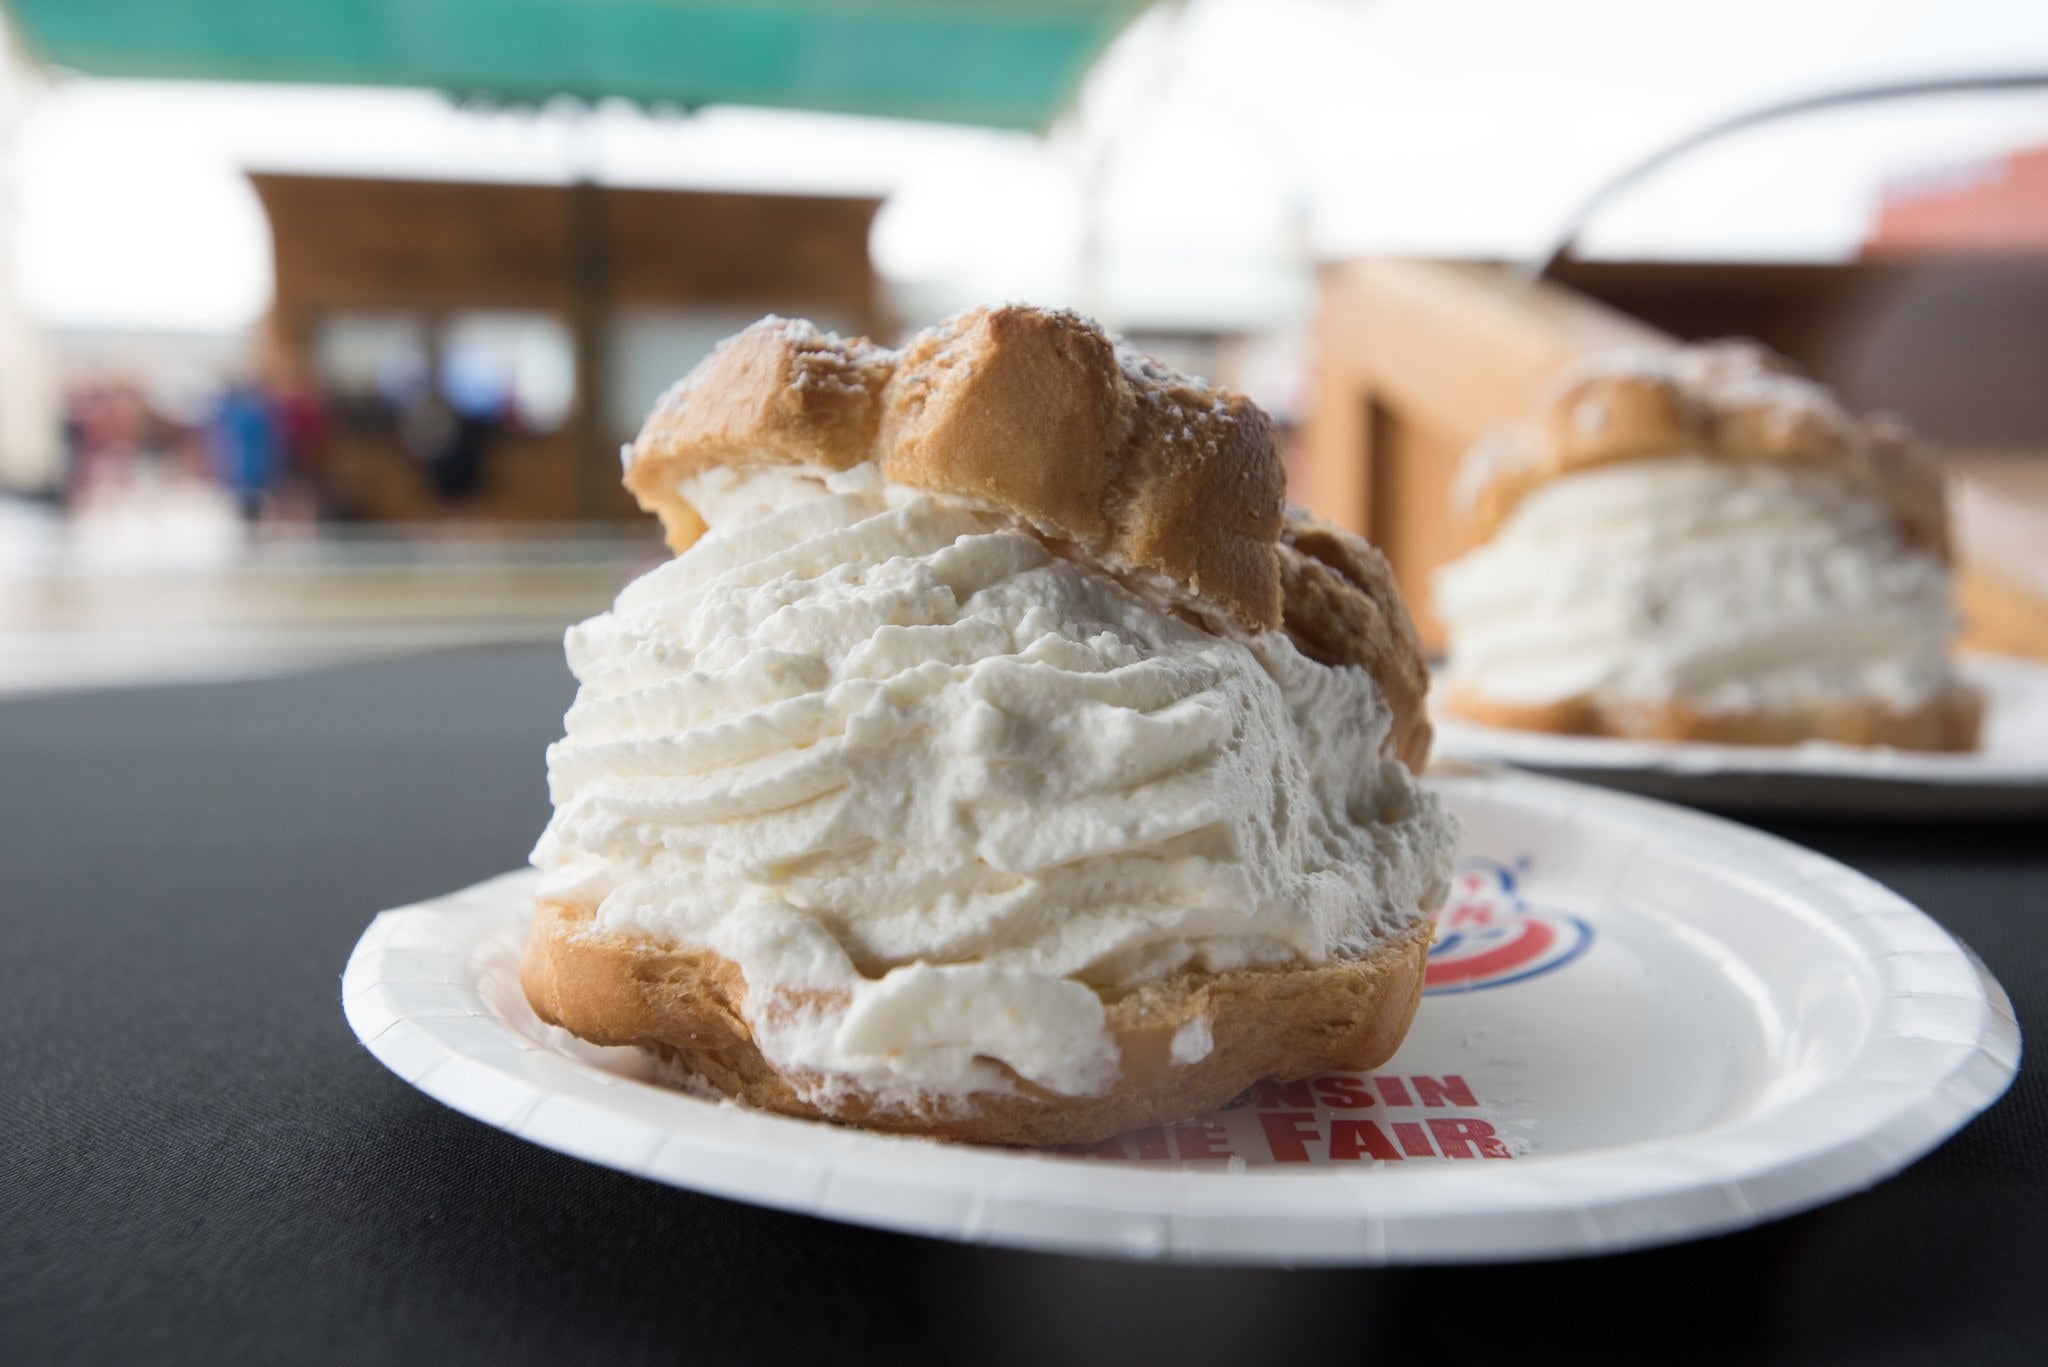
x,y
631,285
1415,360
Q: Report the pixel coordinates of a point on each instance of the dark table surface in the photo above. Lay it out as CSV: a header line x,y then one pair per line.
x,y
199,1163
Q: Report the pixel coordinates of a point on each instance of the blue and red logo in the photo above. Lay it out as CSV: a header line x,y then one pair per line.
x,y
1488,935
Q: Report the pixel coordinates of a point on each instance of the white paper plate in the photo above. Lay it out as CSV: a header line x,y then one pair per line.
x,y
2006,776
1644,1025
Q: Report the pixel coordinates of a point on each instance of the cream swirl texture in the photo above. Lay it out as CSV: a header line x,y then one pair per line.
x,y
928,784
1730,587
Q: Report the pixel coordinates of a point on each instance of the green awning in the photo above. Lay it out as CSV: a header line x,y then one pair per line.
x,y
1006,64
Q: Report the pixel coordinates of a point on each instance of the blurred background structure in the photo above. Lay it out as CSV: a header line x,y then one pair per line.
x,y
321,322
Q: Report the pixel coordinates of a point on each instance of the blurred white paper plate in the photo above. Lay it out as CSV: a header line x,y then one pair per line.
x,y
2006,776
1643,1025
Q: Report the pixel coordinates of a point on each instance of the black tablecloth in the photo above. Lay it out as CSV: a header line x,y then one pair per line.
x,y
199,1163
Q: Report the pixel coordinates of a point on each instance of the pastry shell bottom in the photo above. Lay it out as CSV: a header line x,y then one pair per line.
x,y
1949,722
684,1004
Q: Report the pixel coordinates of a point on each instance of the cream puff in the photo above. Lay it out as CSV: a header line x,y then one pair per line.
x,y
1702,545
997,759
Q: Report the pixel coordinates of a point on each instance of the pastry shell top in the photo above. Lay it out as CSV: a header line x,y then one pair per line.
x,y
1164,481
1735,401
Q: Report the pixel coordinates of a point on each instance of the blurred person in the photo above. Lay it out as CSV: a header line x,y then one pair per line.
x,y
300,411
452,429
476,386
426,429
458,468
106,425
74,439
247,446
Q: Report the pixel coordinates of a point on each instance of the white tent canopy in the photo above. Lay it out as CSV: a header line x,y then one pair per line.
x,y
1216,150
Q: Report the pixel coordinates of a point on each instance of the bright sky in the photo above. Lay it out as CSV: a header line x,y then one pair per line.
x,y
1229,141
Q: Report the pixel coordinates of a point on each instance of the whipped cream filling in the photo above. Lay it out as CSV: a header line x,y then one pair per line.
x,y
1728,587
929,785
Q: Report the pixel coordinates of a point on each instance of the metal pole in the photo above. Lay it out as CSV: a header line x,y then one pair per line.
x,y
590,319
